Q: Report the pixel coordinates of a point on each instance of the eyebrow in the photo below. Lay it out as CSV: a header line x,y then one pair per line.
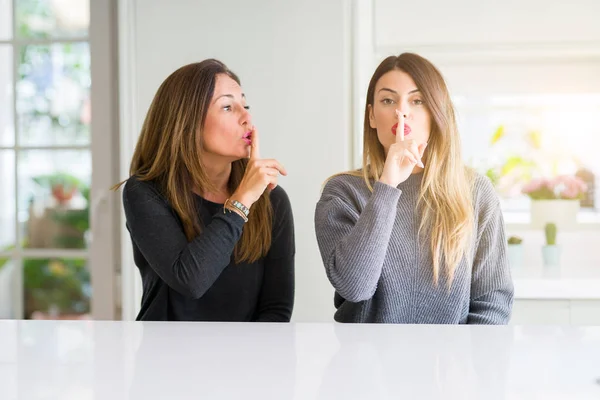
x,y
396,93
230,96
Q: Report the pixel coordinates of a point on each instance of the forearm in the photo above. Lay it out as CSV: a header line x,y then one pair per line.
x,y
190,268
492,289
492,309
353,261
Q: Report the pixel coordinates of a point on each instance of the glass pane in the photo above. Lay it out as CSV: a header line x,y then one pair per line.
x,y
52,18
5,19
7,288
7,200
7,129
56,289
54,198
53,95
514,139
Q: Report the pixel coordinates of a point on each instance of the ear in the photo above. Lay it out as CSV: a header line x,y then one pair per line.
x,y
371,117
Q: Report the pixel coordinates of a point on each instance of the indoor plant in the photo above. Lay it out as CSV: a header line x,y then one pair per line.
x,y
555,200
551,251
515,251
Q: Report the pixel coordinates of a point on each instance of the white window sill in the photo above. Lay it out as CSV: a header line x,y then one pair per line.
x,y
557,289
520,220
567,282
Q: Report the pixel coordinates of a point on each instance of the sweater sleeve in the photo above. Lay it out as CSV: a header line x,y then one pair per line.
x,y
353,244
492,289
192,267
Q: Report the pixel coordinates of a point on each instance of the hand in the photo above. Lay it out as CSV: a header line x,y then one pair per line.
x,y
402,157
260,174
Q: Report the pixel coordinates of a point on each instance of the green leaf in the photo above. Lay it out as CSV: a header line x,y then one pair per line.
x,y
492,175
497,135
48,181
535,139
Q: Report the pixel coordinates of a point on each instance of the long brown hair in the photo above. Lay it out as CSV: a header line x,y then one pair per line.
x,y
169,152
446,194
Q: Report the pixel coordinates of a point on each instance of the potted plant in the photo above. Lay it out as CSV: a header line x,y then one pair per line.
x,y
515,251
551,251
63,222
58,287
555,200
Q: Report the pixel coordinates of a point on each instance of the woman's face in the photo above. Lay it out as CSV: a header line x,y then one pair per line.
x,y
228,123
396,90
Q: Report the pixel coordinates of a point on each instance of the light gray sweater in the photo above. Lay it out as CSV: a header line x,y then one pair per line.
x,y
380,271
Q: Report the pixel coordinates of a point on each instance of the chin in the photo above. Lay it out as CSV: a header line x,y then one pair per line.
x,y
245,154
229,158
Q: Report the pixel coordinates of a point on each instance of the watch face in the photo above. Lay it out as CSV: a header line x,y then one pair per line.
x,y
241,207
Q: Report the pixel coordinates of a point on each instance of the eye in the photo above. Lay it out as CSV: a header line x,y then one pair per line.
x,y
387,101
247,107
418,102
227,108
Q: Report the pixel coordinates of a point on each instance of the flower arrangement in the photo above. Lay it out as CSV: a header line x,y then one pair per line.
x,y
563,187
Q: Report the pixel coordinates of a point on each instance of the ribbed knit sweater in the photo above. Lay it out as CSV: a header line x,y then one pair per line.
x,y
383,273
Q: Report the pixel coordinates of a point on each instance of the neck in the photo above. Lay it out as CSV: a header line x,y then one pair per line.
x,y
218,173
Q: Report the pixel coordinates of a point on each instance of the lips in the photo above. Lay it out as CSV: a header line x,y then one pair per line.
x,y
407,129
247,137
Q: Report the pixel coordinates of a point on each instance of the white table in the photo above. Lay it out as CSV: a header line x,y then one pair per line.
x,y
128,360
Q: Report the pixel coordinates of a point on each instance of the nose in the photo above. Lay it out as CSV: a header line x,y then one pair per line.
x,y
404,110
246,118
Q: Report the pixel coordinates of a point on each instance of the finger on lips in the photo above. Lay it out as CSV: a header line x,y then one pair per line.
x,y
400,128
254,146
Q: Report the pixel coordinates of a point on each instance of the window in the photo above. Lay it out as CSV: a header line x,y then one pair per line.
x,y
514,138
45,158
524,112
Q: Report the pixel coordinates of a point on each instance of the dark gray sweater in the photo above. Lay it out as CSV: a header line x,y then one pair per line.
x,y
373,259
199,280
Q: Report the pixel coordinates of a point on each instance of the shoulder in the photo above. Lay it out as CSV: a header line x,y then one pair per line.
x,y
136,191
346,187
280,200
484,191
283,218
485,198
483,188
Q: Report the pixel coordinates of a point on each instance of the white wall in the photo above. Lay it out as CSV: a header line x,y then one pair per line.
x,y
508,47
305,66
293,59
485,22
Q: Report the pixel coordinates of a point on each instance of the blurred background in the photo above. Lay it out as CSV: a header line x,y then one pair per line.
x,y
76,79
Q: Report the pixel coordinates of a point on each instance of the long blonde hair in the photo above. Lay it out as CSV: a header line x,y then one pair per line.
x,y
446,194
169,152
